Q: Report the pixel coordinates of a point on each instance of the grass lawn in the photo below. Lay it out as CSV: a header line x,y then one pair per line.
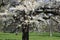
x,y
33,36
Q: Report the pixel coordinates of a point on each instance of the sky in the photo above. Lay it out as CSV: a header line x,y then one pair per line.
x,y
46,0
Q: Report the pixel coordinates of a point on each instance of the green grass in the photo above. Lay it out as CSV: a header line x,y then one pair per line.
x,y
44,36
33,36
10,36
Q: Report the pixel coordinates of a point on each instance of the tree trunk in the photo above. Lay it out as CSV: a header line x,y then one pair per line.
x,y
51,27
25,31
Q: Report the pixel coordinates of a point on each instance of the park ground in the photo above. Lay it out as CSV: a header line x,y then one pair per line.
x,y
32,36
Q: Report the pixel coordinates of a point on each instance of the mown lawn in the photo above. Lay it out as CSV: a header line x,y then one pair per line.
x,y
44,36
33,36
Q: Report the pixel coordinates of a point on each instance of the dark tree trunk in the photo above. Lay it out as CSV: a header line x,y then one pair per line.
x,y
25,31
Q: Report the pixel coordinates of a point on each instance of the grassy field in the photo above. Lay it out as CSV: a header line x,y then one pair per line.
x,y
33,36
